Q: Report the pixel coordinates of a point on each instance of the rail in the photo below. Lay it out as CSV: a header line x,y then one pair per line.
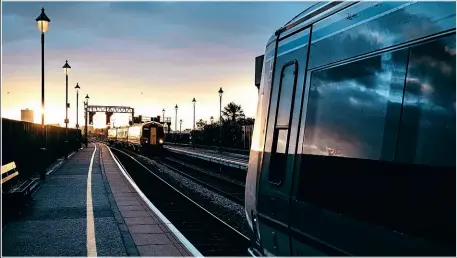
x,y
211,147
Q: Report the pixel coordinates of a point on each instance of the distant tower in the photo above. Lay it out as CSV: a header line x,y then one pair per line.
x,y
27,115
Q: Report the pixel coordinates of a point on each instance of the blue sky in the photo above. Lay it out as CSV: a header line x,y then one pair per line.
x,y
170,51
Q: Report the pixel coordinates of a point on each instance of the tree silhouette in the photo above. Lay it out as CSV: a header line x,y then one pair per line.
x,y
246,121
232,112
201,124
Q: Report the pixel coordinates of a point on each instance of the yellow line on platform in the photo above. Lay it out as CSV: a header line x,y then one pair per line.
x,y
90,232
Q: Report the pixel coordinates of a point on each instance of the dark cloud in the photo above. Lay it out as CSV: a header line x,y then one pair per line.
x,y
354,108
245,25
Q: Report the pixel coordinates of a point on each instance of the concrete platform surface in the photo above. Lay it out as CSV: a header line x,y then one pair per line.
x,y
87,207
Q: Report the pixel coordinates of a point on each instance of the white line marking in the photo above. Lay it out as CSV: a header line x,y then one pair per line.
x,y
164,219
90,230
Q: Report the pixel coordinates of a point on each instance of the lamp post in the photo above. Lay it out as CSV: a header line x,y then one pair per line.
x,y
176,118
168,122
193,131
86,104
163,115
220,119
66,69
43,23
180,124
77,88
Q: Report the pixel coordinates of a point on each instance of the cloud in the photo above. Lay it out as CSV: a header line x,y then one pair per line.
x,y
120,48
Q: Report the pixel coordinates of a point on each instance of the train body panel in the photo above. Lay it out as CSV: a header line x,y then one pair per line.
x,y
353,149
122,134
135,134
112,135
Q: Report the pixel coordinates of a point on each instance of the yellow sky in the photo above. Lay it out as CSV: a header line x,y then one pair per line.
x,y
20,92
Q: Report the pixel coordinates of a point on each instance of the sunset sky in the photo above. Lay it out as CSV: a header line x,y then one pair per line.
x,y
169,51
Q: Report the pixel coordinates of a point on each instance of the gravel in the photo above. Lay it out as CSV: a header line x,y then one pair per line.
x,y
228,211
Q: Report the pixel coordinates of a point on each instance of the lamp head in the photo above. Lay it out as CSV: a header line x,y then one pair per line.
x,y
66,68
77,88
43,21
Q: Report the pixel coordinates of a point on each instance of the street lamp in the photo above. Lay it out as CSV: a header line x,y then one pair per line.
x,y
220,119
176,118
86,104
180,124
77,88
193,131
43,23
163,115
66,69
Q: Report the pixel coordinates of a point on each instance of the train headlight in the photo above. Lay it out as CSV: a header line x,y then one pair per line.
x,y
160,141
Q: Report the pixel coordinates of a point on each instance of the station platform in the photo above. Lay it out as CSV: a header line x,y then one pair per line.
x,y
224,158
89,206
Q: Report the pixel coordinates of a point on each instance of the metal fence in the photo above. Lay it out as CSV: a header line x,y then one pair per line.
x,y
233,136
22,143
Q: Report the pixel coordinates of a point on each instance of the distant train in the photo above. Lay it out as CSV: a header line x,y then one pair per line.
x,y
148,136
354,143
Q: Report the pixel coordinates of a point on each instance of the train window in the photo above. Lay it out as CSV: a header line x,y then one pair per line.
x,y
354,109
427,130
382,150
160,132
285,99
370,26
281,130
282,141
279,157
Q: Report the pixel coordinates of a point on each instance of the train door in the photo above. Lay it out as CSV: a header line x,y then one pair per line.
x,y
281,142
153,136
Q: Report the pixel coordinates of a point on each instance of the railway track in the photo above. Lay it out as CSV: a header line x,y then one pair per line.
x,y
206,231
231,189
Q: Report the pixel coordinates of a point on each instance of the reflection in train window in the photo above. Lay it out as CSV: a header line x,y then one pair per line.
x,y
282,141
354,109
279,157
285,99
427,132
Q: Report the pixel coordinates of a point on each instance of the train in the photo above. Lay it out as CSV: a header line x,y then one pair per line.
x,y
353,150
142,137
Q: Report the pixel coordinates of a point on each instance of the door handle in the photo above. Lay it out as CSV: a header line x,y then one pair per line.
x,y
275,241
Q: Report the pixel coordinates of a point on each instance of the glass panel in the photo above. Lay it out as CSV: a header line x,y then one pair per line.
x,y
285,98
354,109
279,158
282,141
363,30
427,132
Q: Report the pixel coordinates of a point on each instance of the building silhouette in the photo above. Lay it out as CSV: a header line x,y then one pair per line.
x,y
27,115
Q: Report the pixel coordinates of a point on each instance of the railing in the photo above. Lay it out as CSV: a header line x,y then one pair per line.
x,y
22,142
208,147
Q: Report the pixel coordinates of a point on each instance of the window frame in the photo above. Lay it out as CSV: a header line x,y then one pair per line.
x,y
276,128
